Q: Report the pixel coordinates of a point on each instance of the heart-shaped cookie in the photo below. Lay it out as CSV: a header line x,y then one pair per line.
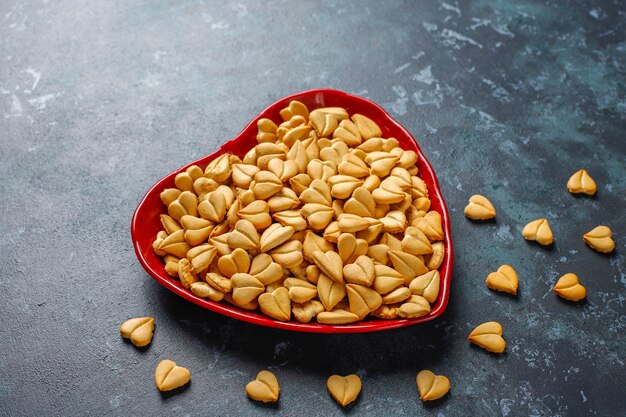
x,y
298,155
350,248
581,182
394,221
219,169
326,119
265,185
479,208
337,316
321,170
169,224
284,170
329,263
257,212
202,186
289,254
351,223
430,386
504,279
246,288
276,304
201,257
388,192
569,288
138,330
264,388
184,180
235,262
539,231
244,236
318,192
353,166
397,296
312,243
430,225
402,177
360,272
372,145
330,292
415,242
295,108
366,126
197,230
263,153
600,239
426,285
214,207
274,236
318,215
409,266
243,174
381,162
334,152
489,337
175,244
414,306
300,290
363,300
434,260
285,199
361,203
204,290
169,376
186,203
348,133
343,186
266,130
344,389
387,279
265,269
291,218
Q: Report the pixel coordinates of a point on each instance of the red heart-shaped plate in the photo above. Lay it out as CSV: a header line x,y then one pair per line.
x,y
146,224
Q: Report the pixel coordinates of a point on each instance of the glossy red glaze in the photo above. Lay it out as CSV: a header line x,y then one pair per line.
x,y
146,224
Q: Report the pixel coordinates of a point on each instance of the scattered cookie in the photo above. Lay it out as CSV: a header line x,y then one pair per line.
x,y
138,330
479,208
600,239
539,231
581,183
344,389
430,386
504,279
169,376
264,388
569,288
489,337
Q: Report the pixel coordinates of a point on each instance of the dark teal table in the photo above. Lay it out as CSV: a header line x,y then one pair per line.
x,y
100,99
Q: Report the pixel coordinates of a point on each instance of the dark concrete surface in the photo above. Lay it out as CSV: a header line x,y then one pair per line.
x,y
100,99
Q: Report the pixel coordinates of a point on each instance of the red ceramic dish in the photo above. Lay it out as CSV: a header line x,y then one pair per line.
x,y
146,224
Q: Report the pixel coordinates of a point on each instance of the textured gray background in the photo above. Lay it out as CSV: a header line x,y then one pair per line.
x,y
99,99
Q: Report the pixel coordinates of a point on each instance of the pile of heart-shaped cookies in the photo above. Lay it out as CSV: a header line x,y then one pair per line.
x,y
324,219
